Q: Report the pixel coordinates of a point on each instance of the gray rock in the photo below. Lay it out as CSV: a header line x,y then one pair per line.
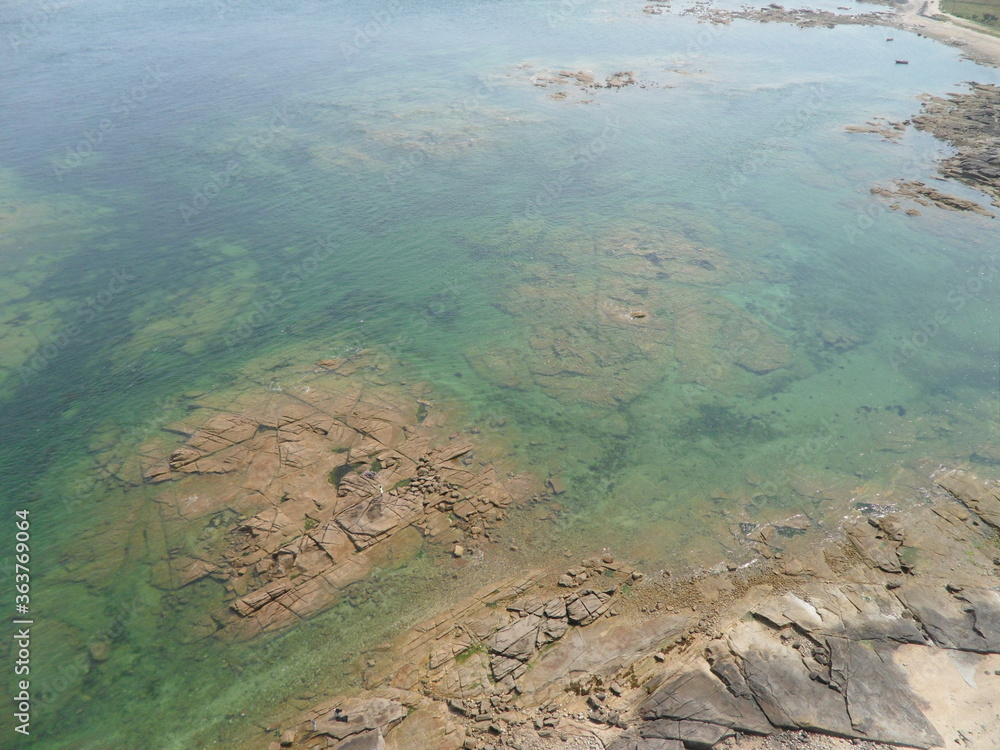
x,y
727,670
879,553
879,702
503,666
980,497
587,607
629,741
985,606
552,630
892,527
370,740
555,609
780,683
951,621
517,640
701,697
694,735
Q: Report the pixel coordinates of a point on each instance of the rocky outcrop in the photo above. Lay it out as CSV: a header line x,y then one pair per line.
x,y
583,80
982,498
774,13
292,498
851,653
925,195
970,122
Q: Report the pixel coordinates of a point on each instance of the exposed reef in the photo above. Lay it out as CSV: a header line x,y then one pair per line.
x,y
288,497
970,122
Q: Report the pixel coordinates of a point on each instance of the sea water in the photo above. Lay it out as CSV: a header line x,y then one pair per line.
x,y
197,195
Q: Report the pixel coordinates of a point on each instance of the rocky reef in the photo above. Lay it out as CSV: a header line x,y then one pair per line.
x,y
887,634
289,497
970,122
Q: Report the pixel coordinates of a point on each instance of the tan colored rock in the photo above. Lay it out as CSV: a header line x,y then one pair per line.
x,y
982,498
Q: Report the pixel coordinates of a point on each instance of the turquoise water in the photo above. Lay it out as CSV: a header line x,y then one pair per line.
x,y
195,193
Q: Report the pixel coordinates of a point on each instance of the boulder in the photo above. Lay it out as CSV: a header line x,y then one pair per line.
x,y
877,552
587,607
517,640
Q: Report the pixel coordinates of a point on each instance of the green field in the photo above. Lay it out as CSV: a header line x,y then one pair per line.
x,y
986,12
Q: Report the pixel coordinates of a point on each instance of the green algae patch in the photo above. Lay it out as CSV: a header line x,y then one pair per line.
x,y
463,656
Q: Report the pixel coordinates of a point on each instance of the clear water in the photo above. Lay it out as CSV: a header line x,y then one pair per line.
x,y
195,192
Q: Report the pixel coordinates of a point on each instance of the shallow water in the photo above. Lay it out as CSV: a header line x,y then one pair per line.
x,y
194,193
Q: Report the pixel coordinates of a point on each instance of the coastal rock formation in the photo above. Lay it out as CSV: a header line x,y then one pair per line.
x,y
896,643
971,123
290,498
926,196
804,18
583,81
888,129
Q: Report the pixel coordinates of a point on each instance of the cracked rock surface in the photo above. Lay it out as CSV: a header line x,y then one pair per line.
x,y
894,644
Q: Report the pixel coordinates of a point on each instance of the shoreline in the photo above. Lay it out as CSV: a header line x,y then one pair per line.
x,y
926,17
861,640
